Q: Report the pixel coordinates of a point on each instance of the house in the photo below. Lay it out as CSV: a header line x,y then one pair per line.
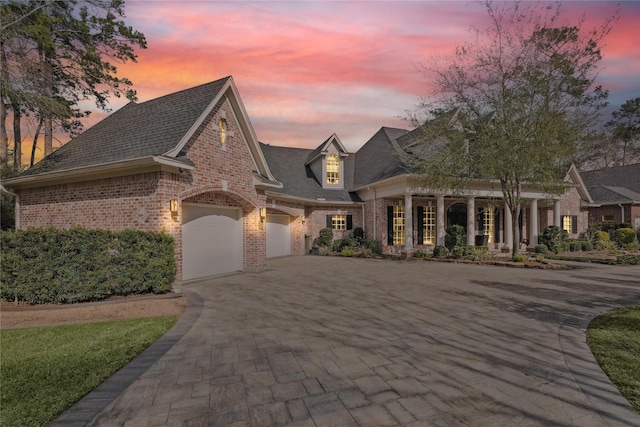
x,y
616,194
190,164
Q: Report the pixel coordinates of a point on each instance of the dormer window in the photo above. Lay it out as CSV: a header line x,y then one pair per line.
x,y
333,169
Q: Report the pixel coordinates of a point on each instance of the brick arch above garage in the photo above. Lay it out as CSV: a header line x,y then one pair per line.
x,y
214,195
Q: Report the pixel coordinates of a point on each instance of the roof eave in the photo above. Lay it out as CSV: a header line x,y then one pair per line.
x,y
286,197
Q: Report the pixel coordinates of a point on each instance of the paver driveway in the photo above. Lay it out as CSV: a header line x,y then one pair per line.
x,y
318,341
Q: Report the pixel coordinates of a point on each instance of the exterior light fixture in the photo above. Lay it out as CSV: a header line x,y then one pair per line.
x,y
173,207
263,214
303,218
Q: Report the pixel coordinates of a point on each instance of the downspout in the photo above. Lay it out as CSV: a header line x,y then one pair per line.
x,y
622,208
17,208
375,213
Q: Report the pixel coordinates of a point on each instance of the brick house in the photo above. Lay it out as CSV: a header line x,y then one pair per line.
x,y
616,194
190,164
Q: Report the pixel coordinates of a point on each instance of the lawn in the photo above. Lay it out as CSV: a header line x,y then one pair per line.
x,y
46,370
614,340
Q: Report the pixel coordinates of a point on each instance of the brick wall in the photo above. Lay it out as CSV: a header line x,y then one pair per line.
x,y
317,219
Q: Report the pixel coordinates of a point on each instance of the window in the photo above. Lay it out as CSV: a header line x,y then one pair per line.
x,y
429,225
333,169
340,222
395,225
570,224
222,128
488,224
607,218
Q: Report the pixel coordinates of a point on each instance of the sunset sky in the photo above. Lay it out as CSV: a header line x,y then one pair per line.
x,y
307,69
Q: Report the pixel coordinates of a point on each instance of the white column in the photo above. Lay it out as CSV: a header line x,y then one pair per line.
x,y
408,222
471,221
556,214
440,220
533,210
508,226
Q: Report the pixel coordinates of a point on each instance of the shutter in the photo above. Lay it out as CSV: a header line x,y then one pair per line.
x,y
349,222
496,226
329,222
480,222
420,225
574,224
389,225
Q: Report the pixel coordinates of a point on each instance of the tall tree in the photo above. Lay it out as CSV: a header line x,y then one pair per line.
x,y
62,52
624,128
524,96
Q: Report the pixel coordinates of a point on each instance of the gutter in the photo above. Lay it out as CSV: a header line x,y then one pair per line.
x,y
17,208
280,196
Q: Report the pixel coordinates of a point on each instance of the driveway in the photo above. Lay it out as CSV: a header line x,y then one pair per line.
x,y
320,341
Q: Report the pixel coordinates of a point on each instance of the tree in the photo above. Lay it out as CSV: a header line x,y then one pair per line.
x,y
58,53
624,128
514,105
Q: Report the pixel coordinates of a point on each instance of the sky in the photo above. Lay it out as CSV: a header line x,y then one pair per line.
x,y
308,69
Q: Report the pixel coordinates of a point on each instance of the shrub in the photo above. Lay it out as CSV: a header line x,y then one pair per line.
x,y
539,257
347,252
454,236
479,253
553,237
458,252
373,245
542,248
365,252
602,235
575,245
420,254
606,245
587,246
625,236
46,265
324,250
358,233
628,259
439,251
634,246
519,258
326,236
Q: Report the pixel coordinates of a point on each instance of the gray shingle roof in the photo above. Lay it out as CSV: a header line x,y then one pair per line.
x,y
150,128
288,166
613,185
378,159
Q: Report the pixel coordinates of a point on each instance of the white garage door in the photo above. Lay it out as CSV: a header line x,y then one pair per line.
x,y
278,236
211,241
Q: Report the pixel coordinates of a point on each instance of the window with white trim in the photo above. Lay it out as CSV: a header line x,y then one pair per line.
x,y
429,225
339,222
398,225
488,223
333,169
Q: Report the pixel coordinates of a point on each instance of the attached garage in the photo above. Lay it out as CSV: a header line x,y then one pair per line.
x,y
278,235
211,241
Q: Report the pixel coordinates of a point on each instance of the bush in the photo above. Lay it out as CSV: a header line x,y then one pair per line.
x,y
347,252
553,237
454,236
607,245
358,233
575,245
372,245
542,248
46,265
420,254
326,236
366,252
519,258
634,246
587,246
458,252
602,235
324,250
628,259
439,251
625,236
480,253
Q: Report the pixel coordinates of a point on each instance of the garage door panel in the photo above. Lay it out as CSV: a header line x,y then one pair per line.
x,y
278,235
211,241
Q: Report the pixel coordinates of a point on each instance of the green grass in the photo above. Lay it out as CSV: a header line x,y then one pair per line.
x,y
614,340
46,370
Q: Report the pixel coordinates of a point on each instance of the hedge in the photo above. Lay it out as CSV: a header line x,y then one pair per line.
x,y
48,265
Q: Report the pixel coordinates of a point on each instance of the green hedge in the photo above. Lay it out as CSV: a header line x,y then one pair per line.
x,y
47,265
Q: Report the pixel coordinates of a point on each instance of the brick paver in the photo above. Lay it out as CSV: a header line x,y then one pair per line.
x,y
319,341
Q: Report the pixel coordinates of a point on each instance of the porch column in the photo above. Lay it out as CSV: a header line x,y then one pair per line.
x,y
471,221
408,222
533,210
440,220
508,226
556,213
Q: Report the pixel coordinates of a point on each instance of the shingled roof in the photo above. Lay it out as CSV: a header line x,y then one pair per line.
x,y
151,128
288,166
378,159
620,184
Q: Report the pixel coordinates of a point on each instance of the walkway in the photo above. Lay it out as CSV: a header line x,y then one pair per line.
x,y
319,341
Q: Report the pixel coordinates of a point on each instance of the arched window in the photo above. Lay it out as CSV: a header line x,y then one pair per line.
x,y
333,169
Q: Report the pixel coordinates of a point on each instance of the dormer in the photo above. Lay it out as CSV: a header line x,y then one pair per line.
x,y
327,163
